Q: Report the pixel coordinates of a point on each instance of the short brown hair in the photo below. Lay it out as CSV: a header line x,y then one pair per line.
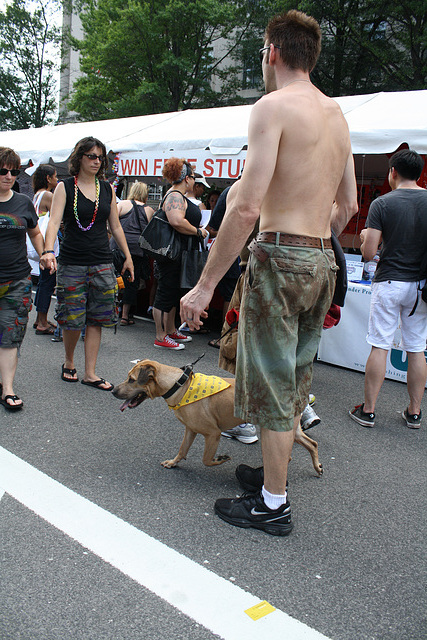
x,y
10,158
138,191
84,146
298,37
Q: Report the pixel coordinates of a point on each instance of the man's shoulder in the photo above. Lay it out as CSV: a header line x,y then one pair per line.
x,y
402,195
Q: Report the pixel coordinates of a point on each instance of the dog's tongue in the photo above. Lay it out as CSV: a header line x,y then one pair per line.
x,y
124,405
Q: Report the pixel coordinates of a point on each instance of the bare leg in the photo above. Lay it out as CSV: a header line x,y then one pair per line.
x,y
92,344
42,321
374,377
165,322
276,453
125,311
70,338
416,380
8,364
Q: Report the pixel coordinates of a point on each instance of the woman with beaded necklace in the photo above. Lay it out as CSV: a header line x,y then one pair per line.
x,y
86,283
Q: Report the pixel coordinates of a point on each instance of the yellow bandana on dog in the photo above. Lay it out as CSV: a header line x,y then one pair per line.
x,y
201,387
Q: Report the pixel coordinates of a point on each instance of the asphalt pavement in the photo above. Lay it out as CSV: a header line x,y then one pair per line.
x,y
353,568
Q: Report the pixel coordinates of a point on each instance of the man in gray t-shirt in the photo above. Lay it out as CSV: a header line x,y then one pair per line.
x,y
398,220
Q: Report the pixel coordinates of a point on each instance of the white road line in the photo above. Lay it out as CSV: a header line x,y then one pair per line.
x,y
210,600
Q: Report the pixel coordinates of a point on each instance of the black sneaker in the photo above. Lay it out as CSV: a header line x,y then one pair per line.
x,y
251,511
361,417
413,420
250,479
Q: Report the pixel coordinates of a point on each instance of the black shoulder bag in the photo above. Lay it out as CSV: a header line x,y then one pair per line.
x,y
160,240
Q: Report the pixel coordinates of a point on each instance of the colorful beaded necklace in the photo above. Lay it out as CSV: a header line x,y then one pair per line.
x,y
76,215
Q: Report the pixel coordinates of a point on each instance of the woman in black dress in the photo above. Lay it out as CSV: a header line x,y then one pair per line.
x,y
185,217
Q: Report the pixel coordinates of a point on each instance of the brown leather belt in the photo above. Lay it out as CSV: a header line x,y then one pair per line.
x,y
286,240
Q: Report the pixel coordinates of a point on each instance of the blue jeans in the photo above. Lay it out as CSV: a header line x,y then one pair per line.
x,y
45,289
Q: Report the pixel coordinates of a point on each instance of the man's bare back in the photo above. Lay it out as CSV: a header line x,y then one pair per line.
x,y
311,158
298,176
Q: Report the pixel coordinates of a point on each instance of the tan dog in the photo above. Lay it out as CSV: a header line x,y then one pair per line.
x,y
208,416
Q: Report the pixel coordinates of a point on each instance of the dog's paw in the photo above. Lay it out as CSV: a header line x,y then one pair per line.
x,y
319,469
168,464
220,459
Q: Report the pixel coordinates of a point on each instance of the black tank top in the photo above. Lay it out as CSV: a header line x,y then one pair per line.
x,y
86,248
194,216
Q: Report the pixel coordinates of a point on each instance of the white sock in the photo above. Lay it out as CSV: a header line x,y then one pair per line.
x,y
273,501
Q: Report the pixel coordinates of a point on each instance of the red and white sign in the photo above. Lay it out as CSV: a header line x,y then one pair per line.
x,y
206,163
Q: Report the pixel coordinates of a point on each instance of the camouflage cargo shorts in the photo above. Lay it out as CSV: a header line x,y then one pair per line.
x,y
15,305
284,303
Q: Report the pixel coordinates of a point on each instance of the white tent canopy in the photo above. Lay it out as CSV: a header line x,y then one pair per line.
x,y
379,123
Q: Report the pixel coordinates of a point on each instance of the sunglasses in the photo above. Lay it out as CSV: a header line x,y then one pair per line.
x,y
261,52
13,172
93,156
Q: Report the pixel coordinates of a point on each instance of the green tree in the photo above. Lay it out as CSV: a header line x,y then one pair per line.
x,y
30,53
370,45
145,56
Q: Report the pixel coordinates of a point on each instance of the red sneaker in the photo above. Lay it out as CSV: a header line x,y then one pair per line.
x,y
168,343
180,337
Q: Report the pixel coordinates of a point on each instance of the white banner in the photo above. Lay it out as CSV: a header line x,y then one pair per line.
x,y
150,164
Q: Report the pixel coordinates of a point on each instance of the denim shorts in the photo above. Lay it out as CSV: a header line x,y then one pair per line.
x,y
86,296
284,304
15,305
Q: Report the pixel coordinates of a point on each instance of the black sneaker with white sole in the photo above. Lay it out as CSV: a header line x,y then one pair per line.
x,y
362,417
413,420
250,510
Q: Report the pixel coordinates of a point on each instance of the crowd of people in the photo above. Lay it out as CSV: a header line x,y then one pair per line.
x,y
280,214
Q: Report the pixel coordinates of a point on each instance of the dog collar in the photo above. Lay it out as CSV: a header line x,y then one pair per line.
x,y
179,383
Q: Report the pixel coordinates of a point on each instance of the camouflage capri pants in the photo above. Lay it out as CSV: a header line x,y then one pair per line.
x,y
86,296
15,305
284,303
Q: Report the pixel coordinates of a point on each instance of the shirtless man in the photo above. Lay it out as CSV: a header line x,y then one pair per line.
x,y
299,180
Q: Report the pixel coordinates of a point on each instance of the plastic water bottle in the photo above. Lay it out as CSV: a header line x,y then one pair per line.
x,y
370,267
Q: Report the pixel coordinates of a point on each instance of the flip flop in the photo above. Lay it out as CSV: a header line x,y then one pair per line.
x,y
49,323
126,321
214,343
70,372
45,332
11,407
97,384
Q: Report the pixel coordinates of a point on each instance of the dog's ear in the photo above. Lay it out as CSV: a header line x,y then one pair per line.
x,y
146,373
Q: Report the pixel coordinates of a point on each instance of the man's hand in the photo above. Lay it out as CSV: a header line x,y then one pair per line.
x,y
193,307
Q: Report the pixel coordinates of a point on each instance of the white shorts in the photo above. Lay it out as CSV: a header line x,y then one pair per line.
x,y
393,299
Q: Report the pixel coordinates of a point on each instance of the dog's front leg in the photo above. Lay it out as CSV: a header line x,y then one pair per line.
x,y
211,445
183,450
312,448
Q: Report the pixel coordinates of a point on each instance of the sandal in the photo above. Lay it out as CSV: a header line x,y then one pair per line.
x,y
49,331
70,372
11,407
124,322
214,343
97,384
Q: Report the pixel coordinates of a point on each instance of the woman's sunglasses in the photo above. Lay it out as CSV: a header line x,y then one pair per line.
x,y
13,172
93,156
